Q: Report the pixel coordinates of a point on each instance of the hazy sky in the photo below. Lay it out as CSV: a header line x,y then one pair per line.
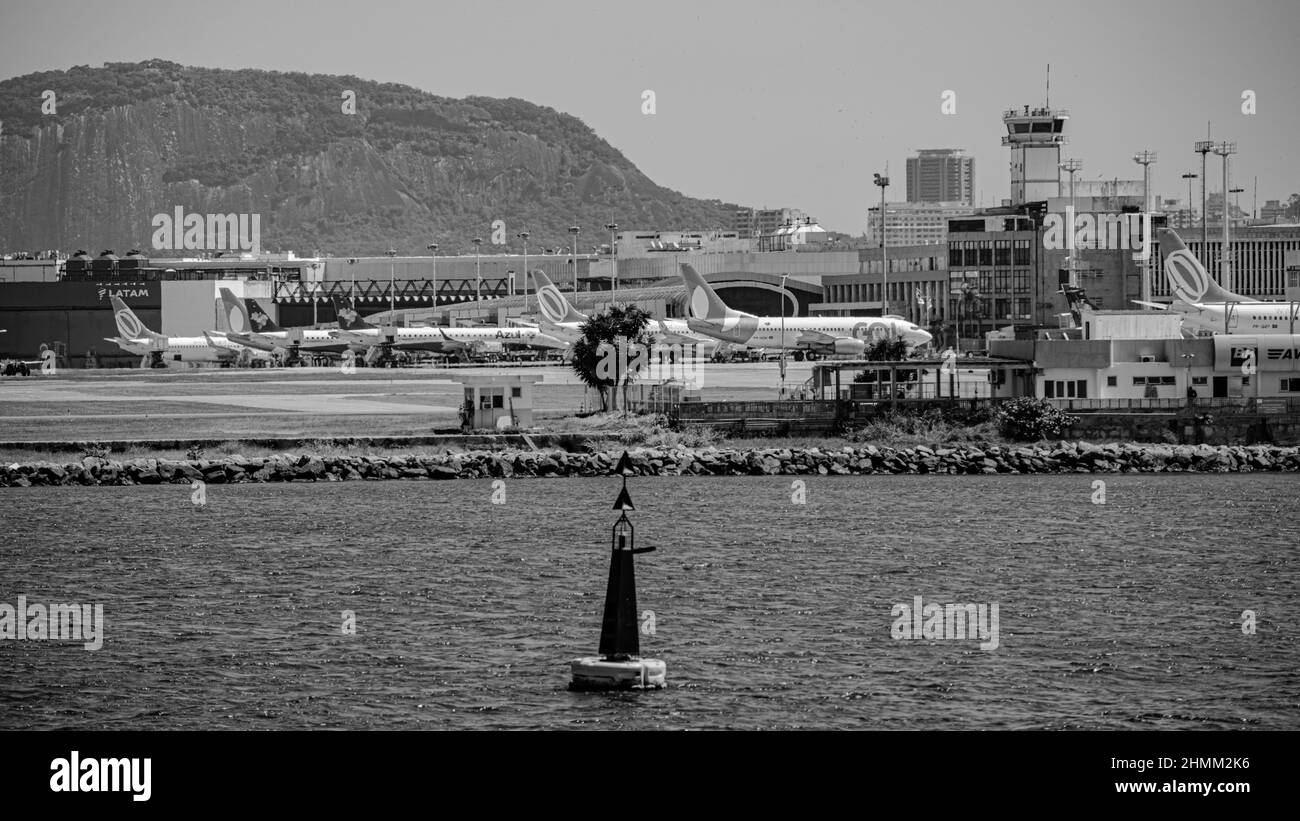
x,y
763,103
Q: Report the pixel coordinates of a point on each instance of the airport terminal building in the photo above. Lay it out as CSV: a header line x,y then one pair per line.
x,y
995,271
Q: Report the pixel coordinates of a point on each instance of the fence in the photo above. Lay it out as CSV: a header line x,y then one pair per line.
x,y
661,398
766,416
1232,404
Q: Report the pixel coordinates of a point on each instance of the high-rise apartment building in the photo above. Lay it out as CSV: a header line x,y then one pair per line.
x,y
941,175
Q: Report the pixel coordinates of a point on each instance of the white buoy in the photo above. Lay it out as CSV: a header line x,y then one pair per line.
x,y
595,673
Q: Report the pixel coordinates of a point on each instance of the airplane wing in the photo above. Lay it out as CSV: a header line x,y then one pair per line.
x,y
550,329
222,351
685,338
667,337
1193,310
350,336
232,349
455,345
251,341
546,341
816,339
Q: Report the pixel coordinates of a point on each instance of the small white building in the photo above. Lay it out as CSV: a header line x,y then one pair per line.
x,y
1224,366
1130,324
493,401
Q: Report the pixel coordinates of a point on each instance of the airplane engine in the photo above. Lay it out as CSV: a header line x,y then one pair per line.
x,y
849,347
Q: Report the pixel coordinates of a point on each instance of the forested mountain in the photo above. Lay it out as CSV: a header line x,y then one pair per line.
x,y
131,140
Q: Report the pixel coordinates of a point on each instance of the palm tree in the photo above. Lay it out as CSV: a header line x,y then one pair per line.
x,y
969,304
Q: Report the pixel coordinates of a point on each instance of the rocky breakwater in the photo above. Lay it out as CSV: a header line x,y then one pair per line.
x,y
1064,457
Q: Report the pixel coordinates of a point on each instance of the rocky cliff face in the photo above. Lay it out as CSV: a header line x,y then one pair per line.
x,y
129,141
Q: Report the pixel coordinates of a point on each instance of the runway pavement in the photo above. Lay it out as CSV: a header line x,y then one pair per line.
x,y
80,405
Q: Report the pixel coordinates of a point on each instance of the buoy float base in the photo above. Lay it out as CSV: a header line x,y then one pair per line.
x,y
597,673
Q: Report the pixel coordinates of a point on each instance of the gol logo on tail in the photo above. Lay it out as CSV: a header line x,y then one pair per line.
x,y
1187,279
128,324
236,319
551,303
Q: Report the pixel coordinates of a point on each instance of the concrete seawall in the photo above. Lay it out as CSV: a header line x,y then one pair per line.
x,y
1064,457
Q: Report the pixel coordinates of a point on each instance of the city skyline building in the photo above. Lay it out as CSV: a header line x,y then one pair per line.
x,y
941,175
914,223
753,222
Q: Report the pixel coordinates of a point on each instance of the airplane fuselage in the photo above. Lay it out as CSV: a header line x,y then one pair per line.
x,y
676,333
182,348
312,340
809,333
438,339
868,329
1242,318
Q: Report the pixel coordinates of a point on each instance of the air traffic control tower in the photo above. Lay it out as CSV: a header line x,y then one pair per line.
x,y
1035,137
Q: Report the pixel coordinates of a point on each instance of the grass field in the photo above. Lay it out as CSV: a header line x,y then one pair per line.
x,y
234,427
232,406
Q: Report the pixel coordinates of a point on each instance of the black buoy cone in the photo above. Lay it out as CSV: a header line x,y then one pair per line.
x,y
619,629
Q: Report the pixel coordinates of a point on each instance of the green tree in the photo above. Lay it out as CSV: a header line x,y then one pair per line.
x,y
886,349
1030,419
970,305
606,355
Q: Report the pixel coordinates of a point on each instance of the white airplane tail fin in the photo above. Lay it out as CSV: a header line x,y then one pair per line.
x,y
235,313
709,315
1187,277
553,304
129,325
702,301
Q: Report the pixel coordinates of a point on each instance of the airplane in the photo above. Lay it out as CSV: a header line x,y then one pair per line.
x,y
561,319
252,326
134,338
1205,306
808,336
23,367
460,340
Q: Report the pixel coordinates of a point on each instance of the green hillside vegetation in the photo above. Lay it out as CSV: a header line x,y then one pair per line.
x,y
408,168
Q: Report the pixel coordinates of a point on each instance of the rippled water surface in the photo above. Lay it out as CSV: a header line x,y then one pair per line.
x,y
769,614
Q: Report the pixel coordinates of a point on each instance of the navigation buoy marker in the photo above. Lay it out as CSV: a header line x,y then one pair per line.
x,y
619,665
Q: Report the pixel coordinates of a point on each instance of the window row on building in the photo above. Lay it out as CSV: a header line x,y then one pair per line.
x,y
987,253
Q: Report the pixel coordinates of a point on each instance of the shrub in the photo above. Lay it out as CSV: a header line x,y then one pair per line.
x,y
95,449
1028,419
691,436
933,427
